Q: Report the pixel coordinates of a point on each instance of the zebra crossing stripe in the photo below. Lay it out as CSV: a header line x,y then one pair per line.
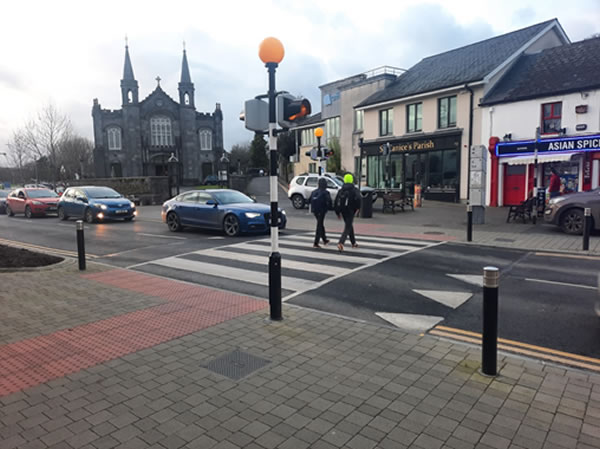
x,y
374,252
315,254
391,247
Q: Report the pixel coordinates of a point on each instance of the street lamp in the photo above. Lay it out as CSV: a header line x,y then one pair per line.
x,y
225,165
173,170
271,53
318,135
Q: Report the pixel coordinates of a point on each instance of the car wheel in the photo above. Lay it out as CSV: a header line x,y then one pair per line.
x,y
9,211
61,213
28,213
88,216
231,225
173,222
297,201
571,222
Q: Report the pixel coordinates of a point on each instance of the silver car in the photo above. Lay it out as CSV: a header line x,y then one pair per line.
x,y
567,211
303,185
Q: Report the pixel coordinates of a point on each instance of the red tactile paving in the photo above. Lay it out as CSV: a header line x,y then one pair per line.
x,y
188,309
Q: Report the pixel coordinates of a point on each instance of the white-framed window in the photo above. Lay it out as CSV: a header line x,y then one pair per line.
x,y
414,117
359,120
205,139
160,131
332,128
308,137
386,122
114,138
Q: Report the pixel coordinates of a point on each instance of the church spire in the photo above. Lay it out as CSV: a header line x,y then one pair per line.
x,y
127,69
129,85
185,70
186,87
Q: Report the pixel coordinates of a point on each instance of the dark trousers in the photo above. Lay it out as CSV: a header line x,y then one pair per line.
x,y
320,233
348,228
554,194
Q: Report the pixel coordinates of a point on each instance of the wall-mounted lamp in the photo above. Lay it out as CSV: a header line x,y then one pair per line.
x,y
562,131
507,137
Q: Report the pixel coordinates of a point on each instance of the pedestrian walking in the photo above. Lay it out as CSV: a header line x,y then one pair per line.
x,y
347,202
554,188
320,203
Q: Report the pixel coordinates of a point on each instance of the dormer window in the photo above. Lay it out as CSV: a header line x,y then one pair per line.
x,y
205,139
160,131
114,138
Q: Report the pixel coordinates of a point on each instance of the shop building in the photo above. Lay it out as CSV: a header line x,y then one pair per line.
x,y
545,108
418,130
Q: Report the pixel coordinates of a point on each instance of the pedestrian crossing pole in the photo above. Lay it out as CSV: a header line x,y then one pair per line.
x,y
271,53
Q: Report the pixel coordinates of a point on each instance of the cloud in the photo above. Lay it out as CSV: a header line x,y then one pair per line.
x,y
11,79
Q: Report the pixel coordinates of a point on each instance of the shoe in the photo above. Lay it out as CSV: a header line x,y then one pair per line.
x,y
355,245
326,242
316,246
340,247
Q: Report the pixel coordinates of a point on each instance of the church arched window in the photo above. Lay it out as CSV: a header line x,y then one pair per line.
x,y
205,139
160,131
114,138
186,99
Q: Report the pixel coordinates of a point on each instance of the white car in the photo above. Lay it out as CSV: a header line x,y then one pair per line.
x,y
302,186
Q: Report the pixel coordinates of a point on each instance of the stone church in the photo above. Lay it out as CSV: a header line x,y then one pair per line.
x,y
139,138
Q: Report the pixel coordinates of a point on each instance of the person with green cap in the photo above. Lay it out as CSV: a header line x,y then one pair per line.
x,y
347,202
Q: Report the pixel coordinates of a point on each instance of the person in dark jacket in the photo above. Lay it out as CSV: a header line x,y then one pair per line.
x,y
320,203
554,188
347,202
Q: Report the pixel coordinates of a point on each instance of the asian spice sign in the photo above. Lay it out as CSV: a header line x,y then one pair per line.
x,y
569,144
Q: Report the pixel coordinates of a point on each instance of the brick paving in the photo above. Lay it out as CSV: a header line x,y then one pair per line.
x,y
330,382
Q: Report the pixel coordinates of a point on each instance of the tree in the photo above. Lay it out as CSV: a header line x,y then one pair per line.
x,y
75,155
17,153
258,152
334,163
240,153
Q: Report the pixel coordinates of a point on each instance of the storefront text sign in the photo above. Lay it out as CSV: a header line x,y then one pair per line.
x,y
412,146
567,144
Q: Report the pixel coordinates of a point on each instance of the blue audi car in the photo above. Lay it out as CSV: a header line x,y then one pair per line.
x,y
221,209
95,203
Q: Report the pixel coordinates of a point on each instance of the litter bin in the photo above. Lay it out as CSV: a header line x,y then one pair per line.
x,y
366,204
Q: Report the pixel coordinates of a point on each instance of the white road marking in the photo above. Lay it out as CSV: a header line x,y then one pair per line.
x,y
566,284
162,236
447,298
367,245
410,322
376,252
474,279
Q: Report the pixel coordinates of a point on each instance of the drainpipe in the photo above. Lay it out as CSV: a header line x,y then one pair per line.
x,y
470,141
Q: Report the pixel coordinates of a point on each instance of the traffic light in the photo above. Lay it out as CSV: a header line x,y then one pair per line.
x,y
290,109
256,115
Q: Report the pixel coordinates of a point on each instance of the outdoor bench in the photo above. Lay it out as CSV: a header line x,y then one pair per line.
x,y
394,200
523,211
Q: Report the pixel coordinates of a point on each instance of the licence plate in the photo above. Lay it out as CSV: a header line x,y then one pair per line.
x,y
121,211
51,208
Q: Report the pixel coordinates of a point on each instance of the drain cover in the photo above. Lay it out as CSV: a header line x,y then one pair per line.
x,y
500,239
236,364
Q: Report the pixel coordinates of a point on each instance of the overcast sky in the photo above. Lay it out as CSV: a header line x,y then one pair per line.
x,y
70,52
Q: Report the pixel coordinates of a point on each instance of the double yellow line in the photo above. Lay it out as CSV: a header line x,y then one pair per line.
x,y
517,347
45,249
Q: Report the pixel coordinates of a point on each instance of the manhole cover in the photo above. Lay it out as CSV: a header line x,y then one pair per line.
x,y
236,364
433,233
500,239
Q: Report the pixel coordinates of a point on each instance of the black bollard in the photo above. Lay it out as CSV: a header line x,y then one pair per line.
x,y
587,226
490,321
80,245
469,223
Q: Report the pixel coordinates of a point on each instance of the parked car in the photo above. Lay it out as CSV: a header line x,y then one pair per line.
x,y
95,203
31,202
3,196
221,209
211,180
301,187
567,211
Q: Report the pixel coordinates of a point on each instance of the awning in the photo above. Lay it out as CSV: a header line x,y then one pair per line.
x,y
542,158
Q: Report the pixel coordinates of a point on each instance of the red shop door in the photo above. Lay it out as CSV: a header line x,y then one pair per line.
x,y
514,184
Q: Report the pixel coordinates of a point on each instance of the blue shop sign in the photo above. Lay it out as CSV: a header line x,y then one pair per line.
x,y
564,145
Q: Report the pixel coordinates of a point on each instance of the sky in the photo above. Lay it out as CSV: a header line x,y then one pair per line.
x,y
68,52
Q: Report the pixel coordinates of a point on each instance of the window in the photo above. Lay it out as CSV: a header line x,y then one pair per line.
x,y
188,197
308,137
386,122
312,168
312,181
359,120
300,180
160,131
331,184
205,139
202,198
114,138
551,115
447,112
332,128
414,117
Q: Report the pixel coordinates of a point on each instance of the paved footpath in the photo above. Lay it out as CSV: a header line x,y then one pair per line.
x,y
118,359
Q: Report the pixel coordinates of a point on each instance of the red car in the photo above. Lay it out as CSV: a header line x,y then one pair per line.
x,y
31,202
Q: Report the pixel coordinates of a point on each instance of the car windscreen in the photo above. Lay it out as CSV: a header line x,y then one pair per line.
x,y
41,193
231,197
102,192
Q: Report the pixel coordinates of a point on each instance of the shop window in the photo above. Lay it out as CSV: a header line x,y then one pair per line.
x,y
450,176
551,115
414,117
375,172
386,122
447,112
435,170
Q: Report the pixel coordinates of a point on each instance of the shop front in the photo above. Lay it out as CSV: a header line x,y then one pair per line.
x,y
576,159
432,161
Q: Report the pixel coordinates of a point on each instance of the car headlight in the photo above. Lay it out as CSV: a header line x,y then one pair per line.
x,y
558,199
283,212
100,206
252,214
37,203
131,204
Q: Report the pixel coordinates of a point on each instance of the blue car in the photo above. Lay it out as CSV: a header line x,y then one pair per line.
x,y
95,203
221,209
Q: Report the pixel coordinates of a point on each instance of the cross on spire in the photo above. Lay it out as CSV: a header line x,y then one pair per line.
x,y
158,80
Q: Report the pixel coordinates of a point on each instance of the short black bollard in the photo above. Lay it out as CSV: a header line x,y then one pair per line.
x,y
80,245
490,321
587,226
469,223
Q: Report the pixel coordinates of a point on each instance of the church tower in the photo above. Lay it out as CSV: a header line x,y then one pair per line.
x,y
129,85
186,87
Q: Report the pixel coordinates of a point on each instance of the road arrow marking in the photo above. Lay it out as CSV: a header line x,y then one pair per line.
x,y
450,299
410,322
474,279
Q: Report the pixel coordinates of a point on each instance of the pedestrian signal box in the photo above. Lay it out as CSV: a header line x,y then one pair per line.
x,y
290,109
